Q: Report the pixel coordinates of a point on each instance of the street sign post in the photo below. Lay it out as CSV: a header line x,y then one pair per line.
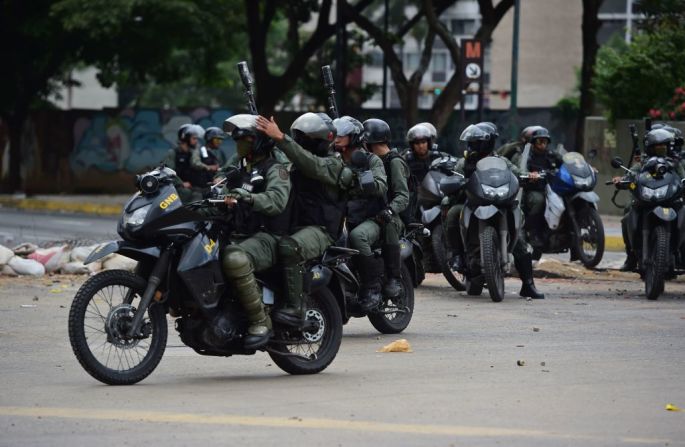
x,y
472,72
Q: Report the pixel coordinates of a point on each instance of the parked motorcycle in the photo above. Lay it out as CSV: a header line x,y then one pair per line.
x,y
656,221
118,323
489,223
432,212
573,222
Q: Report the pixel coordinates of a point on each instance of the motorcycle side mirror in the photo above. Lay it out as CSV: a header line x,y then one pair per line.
x,y
592,154
616,162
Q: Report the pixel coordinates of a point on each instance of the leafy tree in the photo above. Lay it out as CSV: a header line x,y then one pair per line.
x,y
632,79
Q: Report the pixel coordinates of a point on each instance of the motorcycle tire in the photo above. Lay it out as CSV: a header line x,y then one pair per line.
x,y
657,266
299,357
97,335
395,323
443,255
592,232
492,265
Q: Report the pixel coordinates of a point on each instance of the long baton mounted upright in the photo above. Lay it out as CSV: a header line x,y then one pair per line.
x,y
635,153
246,77
328,83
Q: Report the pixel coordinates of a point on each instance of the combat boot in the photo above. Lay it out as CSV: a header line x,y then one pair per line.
x,y
524,265
292,313
370,271
631,263
393,271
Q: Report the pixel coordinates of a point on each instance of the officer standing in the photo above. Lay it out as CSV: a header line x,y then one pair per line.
x,y
540,159
480,141
320,181
376,138
262,215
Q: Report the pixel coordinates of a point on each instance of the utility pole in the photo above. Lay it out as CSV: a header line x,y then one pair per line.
x,y
629,20
385,63
513,112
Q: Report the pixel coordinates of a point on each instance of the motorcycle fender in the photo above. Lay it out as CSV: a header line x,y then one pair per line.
x,y
429,215
667,214
406,248
123,248
518,219
319,276
486,212
588,196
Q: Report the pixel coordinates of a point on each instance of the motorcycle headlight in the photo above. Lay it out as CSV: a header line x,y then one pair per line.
x,y
137,217
582,182
500,191
658,193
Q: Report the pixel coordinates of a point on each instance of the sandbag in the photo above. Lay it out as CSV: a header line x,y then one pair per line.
x,y
7,271
94,267
119,262
52,258
26,266
81,253
75,268
5,255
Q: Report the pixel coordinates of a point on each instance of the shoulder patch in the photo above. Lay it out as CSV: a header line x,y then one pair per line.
x,y
283,173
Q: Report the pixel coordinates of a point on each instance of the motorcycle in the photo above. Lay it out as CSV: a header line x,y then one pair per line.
x,y
656,222
117,321
393,315
433,212
573,222
489,223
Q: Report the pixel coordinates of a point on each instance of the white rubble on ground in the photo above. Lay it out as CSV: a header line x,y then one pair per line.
x,y
29,259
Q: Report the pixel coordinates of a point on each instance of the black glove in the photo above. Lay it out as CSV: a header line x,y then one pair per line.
x,y
385,216
360,160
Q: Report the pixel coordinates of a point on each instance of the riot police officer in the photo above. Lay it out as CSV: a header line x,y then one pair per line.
x,y
261,210
208,158
179,157
540,158
480,143
376,139
320,181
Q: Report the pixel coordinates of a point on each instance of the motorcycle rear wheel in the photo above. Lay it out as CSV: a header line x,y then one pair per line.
x,y
396,322
98,320
443,256
657,265
300,352
492,265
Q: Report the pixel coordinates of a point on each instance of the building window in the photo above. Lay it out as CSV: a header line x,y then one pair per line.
x,y
463,27
439,67
411,61
376,58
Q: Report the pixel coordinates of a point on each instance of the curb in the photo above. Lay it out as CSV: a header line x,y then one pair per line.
x,y
614,243
56,205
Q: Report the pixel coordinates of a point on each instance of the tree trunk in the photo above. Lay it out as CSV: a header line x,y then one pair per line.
x,y
15,122
591,25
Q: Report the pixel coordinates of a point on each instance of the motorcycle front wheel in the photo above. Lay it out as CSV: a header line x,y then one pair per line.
x,y
589,243
492,265
388,322
443,256
99,320
311,351
657,263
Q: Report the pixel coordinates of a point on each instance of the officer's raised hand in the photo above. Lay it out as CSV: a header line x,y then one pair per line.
x,y
269,128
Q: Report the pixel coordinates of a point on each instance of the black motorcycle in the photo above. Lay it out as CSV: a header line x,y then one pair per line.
x,y
432,212
656,221
117,321
489,223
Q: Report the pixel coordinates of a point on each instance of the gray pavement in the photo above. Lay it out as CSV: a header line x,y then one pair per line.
x,y
599,371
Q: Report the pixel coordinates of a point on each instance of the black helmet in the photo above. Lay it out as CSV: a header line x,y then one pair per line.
x,y
214,132
433,130
243,125
315,132
479,138
540,132
420,132
527,132
489,127
658,137
347,126
182,131
677,133
189,131
376,131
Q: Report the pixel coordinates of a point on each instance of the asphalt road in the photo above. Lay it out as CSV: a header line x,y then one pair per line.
x,y
599,371
25,226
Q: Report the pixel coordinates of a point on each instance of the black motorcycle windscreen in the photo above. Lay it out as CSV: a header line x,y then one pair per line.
x,y
576,164
493,171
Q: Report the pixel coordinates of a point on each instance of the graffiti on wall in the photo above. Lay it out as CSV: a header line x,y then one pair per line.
x,y
135,140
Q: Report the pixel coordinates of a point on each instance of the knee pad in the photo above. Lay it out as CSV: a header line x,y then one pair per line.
x,y
290,250
236,263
